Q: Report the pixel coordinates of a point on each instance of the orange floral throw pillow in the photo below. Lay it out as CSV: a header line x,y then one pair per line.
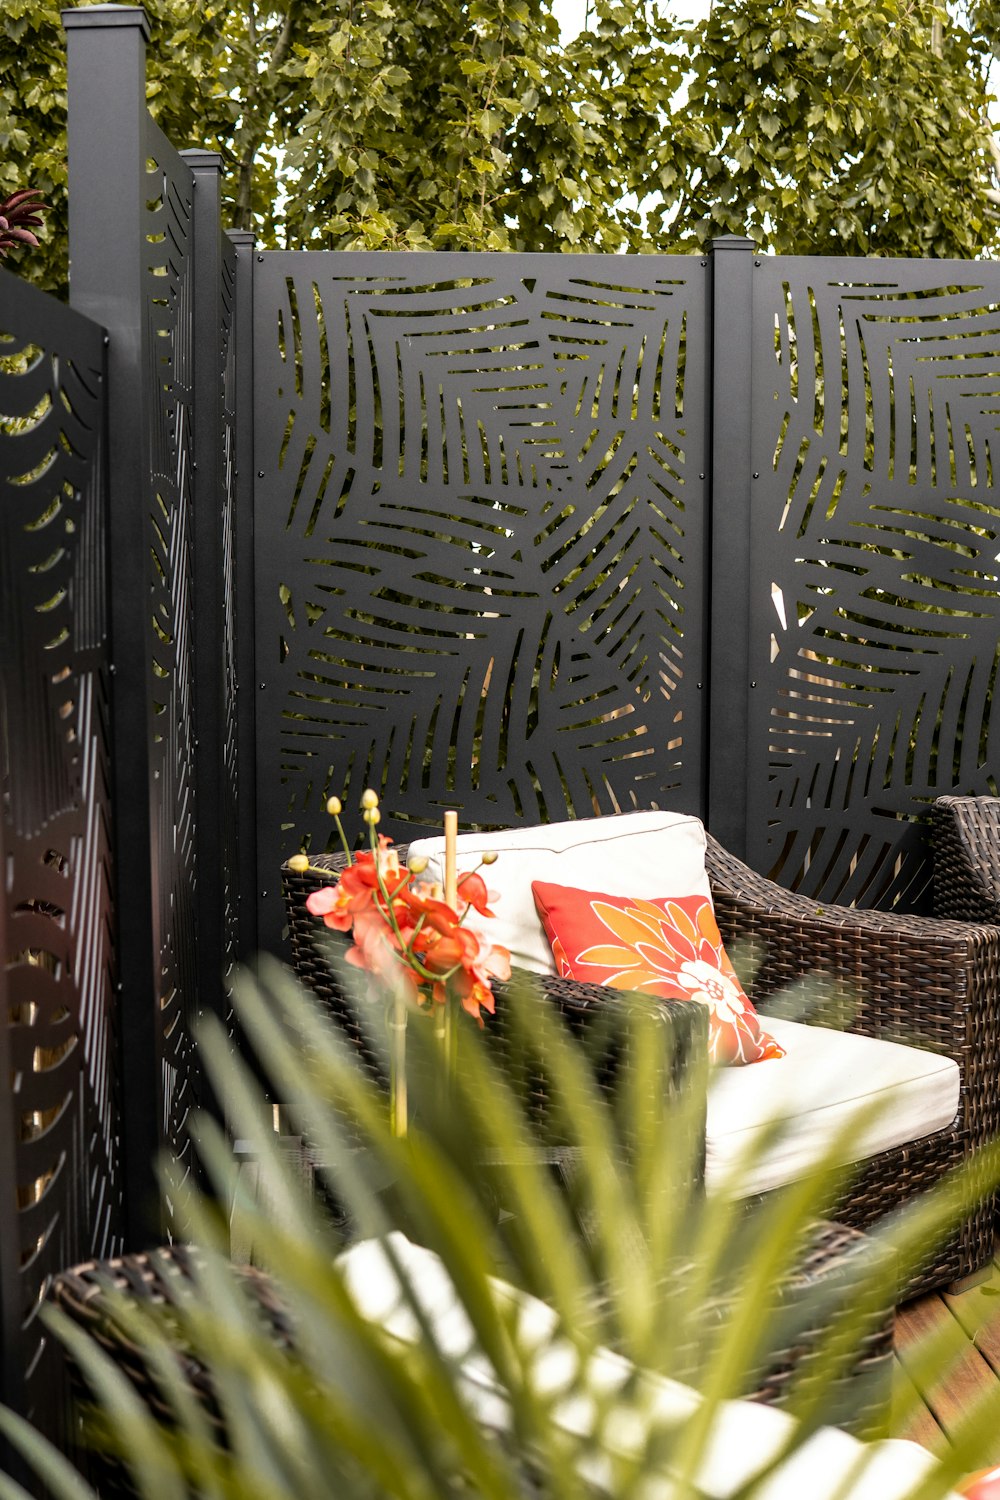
x,y
669,946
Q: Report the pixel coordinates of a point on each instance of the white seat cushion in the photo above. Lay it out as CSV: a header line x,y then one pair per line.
x,y
825,1081
635,854
744,1438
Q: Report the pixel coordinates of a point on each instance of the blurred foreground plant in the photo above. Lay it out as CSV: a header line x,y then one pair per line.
x,y
624,1248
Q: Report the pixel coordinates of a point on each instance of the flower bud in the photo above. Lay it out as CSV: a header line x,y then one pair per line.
x,y
369,800
489,857
333,806
371,815
298,863
417,864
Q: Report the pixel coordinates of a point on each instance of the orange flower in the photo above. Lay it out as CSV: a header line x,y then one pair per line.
x,y
472,890
358,887
414,937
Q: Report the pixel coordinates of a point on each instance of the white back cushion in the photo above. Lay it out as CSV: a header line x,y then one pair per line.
x,y
632,854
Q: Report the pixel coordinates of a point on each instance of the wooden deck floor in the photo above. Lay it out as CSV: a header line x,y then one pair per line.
x,y
971,1322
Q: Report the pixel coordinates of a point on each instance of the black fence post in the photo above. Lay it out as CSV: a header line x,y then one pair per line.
x,y
106,55
729,520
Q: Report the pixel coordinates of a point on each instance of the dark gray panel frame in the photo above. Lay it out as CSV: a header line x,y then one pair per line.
x,y
138,280
500,486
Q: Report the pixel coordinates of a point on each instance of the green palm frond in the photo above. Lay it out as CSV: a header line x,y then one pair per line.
x,y
620,1244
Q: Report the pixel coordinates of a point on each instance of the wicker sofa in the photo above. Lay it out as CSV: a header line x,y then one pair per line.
x,y
929,984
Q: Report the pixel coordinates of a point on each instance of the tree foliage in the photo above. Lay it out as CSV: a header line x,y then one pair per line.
x,y
853,125
857,129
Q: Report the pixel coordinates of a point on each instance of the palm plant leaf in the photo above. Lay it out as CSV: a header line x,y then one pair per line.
x,y
496,1396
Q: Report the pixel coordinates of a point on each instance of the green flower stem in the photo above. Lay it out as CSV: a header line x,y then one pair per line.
x,y
406,954
343,838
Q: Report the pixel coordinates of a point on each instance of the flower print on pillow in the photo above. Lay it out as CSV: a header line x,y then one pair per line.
x,y
670,947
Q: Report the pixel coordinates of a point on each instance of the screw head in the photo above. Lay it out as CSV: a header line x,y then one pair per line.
x,y
756,475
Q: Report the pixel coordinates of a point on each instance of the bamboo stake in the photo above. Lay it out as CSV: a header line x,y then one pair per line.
x,y
448,1036
398,1111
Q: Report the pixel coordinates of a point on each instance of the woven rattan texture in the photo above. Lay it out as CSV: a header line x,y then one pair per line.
x,y
965,835
914,980
160,1278
830,1263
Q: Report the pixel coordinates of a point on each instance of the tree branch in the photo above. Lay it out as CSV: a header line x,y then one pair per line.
x,y
260,113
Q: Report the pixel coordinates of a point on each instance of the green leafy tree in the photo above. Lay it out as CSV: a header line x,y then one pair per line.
x,y
471,124
841,128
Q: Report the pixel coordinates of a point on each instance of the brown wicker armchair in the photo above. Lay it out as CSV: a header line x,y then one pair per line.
x,y
933,984
928,983
965,834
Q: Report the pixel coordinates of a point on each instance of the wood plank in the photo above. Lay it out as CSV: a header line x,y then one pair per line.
x,y
978,1311
909,1416
966,1377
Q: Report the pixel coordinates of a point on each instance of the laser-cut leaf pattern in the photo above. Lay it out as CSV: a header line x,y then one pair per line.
x,y
482,583
875,565
235,611
169,501
57,970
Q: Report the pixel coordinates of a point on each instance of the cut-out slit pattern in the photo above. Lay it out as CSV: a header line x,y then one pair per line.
x,y
170,349
58,968
874,512
478,479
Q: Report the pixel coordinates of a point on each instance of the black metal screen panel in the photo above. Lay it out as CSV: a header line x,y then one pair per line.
x,y
875,616
480,538
57,991
234,611
170,341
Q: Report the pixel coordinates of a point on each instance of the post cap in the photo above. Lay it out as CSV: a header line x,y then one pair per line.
x,y
94,17
732,242
200,160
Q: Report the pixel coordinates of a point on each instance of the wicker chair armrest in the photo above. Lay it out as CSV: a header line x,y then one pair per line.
x,y
916,980
965,837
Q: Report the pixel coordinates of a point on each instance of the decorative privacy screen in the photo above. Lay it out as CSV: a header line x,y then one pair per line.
x,y
170,338
874,614
235,883
480,540
59,1163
